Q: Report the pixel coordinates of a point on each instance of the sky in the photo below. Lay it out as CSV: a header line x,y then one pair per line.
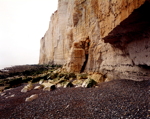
x,y
22,24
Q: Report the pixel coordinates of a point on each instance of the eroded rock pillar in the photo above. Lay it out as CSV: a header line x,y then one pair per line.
x,y
78,56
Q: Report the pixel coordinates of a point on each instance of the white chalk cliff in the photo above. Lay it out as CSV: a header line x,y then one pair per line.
x,y
111,37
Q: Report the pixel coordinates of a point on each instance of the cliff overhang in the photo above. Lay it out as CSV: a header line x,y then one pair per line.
x,y
132,36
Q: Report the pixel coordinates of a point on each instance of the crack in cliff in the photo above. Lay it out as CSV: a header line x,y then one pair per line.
x,y
84,64
85,45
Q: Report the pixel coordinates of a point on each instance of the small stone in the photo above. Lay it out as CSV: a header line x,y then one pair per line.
x,y
38,87
24,90
67,106
32,97
3,94
12,95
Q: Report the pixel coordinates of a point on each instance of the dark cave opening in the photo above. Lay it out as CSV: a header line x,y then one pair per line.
x,y
135,27
132,36
85,45
144,67
85,62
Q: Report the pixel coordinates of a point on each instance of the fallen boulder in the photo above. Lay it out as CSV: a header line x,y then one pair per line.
x,y
67,84
27,88
97,77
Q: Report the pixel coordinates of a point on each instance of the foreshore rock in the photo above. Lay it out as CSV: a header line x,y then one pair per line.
x,y
118,33
48,86
88,83
27,88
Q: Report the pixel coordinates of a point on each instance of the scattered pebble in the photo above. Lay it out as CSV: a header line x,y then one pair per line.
x,y
2,94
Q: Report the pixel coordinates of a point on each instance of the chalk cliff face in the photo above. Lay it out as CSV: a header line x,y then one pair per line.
x,y
111,37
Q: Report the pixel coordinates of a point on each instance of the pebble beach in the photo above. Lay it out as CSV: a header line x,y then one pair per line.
x,y
117,99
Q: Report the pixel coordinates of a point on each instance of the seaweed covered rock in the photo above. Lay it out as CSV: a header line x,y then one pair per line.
x,y
39,77
65,84
78,82
88,83
48,86
52,76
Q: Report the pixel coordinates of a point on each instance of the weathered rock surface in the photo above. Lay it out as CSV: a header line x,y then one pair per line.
x,y
118,32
